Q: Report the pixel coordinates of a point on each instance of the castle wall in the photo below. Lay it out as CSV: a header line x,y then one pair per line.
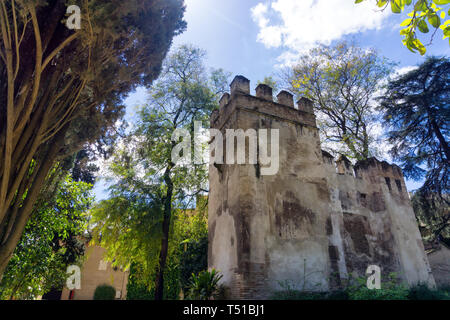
x,y
313,222
375,220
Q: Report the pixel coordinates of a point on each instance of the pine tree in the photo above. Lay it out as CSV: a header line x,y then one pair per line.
x,y
416,108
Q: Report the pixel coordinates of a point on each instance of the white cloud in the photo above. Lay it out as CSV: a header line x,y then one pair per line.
x,y
403,70
299,25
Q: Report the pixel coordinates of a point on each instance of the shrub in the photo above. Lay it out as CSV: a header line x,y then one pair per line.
x,y
193,260
104,292
422,292
391,289
393,293
356,289
205,285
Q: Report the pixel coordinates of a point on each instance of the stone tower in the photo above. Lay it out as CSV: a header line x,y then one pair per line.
x,y
313,222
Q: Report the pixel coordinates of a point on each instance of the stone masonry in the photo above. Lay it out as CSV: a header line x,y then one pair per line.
x,y
314,222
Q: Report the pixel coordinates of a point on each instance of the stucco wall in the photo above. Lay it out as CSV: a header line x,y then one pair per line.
x,y
94,274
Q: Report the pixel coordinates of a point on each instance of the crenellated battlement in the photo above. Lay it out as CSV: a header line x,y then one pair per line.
x,y
375,166
371,166
262,102
370,172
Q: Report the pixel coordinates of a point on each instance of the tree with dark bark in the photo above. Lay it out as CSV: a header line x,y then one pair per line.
x,y
62,88
416,109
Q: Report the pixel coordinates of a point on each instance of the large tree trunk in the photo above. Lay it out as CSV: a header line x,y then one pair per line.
x,y
18,219
440,137
159,291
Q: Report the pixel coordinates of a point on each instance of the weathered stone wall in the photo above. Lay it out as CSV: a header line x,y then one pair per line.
x,y
440,265
316,220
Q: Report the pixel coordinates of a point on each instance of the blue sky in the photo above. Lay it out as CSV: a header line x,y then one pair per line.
x,y
254,37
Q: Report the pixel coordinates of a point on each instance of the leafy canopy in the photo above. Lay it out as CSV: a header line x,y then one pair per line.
x,y
416,110
62,89
342,81
425,15
136,224
49,243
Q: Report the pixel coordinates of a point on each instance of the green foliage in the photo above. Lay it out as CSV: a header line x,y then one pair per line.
x,y
49,243
425,14
129,230
302,295
288,292
271,83
105,292
191,231
390,290
355,288
342,81
432,213
138,288
187,254
193,260
138,224
205,285
62,89
415,110
422,292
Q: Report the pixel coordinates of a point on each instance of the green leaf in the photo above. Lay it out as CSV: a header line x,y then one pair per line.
x,y
420,6
420,46
358,1
404,31
434,20
396,6
423,27
440,2
446,32
381,3
405,23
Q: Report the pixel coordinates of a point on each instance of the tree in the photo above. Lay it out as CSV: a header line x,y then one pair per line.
x,y
425,13
49,243
342,81
270,82
416,110
61,88
149,183
433,215
188,251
